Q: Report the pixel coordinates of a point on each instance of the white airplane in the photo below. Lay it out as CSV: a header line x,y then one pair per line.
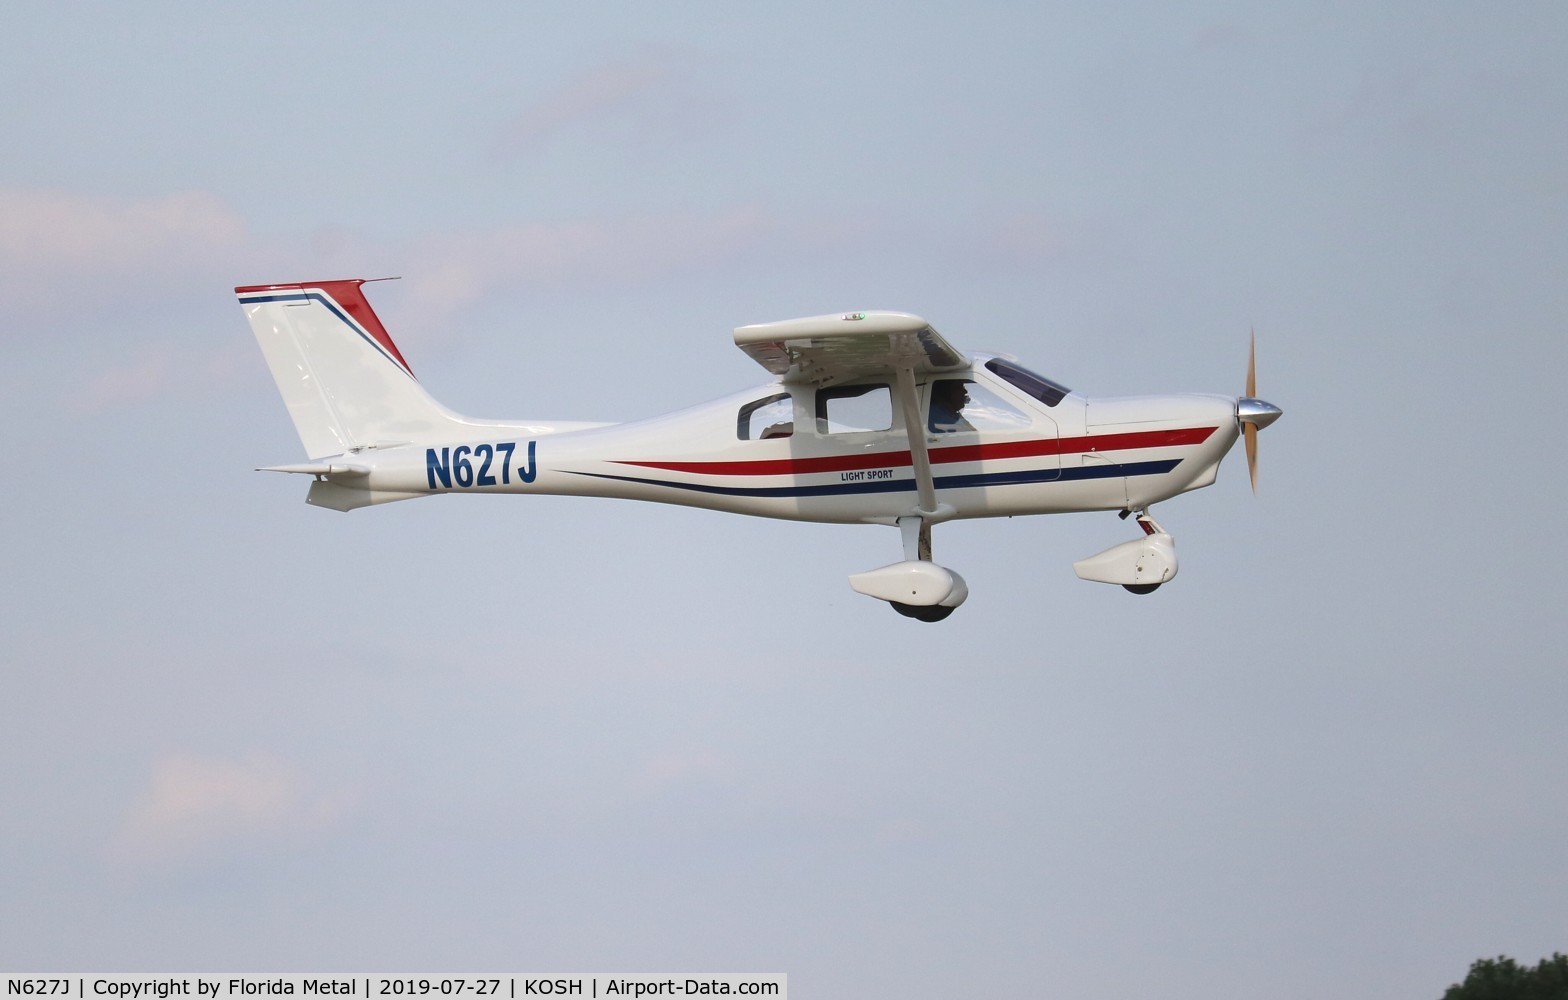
x,y
872,417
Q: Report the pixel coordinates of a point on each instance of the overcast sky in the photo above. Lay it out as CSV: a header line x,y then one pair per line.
x,y
538,735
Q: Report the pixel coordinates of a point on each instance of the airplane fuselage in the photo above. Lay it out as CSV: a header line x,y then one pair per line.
x,y
1080,454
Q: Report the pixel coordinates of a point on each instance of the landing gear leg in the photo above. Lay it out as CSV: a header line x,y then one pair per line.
x,y
916,532
1150,527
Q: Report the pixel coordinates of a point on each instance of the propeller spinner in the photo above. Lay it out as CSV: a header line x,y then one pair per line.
x,y
1254,414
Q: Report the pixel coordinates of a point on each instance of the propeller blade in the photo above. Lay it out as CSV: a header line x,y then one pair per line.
x,y
1250,433
1252,413
1250,430
1252,365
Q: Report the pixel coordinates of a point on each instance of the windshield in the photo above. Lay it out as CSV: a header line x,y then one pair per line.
x,y
1041,388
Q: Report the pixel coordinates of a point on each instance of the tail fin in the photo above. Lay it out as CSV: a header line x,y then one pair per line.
x,y
343,379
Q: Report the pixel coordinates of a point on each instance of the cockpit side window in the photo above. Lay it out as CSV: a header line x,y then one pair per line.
x,y
848,408
959,404
770,417
1041,388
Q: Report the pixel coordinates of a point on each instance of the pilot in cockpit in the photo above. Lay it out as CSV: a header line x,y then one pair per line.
x,y
949,396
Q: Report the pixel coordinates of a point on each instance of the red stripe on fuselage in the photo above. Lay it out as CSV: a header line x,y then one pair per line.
x,y
940,456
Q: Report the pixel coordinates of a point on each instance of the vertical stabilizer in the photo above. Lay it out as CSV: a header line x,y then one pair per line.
x,y
344,381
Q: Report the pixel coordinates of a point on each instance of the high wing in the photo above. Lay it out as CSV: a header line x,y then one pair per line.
x,y
834,348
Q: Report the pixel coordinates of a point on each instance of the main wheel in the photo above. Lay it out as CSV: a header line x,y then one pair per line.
x,y
923,612
1140,588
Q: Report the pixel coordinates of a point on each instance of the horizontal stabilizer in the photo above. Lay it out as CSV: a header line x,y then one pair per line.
x,y
319,469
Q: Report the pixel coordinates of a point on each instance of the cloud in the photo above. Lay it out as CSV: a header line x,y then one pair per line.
x,y
685,770
650,95
144,377
452,270
58,243
196,807
59,247
72,263
151,370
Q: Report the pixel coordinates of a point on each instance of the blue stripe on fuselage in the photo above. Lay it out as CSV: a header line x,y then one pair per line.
x,y
1021,477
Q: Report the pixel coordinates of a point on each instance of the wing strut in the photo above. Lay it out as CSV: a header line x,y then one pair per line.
x,y
914,430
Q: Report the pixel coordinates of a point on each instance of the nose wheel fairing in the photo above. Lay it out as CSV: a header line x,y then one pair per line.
x,y
1140,565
